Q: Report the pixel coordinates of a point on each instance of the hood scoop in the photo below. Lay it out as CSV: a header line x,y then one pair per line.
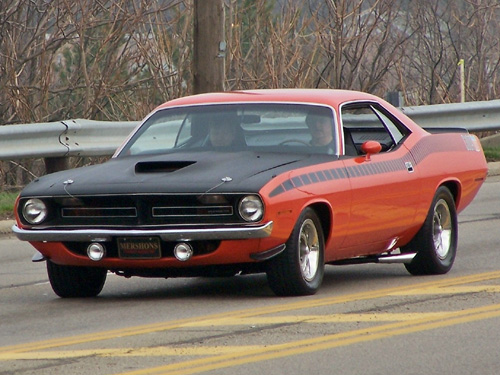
x,y
161,166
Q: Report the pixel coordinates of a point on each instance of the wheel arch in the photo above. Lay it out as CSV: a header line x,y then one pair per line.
x,y
324,212
455,189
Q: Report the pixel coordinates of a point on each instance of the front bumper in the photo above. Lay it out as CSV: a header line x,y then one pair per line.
x,y
103,235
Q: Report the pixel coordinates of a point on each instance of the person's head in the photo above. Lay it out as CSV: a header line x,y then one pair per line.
x,y
222,131
320,128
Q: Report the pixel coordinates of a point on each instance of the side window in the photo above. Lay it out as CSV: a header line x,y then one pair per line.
x,y
364,122
397,133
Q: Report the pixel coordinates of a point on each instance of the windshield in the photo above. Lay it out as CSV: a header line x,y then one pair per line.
x,y
234,127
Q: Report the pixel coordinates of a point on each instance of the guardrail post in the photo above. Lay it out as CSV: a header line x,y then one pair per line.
x,y
395,98
56,164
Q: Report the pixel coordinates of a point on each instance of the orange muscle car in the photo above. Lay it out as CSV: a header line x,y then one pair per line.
x,y
274,181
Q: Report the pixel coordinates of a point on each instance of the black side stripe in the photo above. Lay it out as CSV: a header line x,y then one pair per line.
x,y
420,151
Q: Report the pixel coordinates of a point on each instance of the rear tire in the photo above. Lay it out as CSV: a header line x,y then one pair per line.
x,y
436,242
299,269
75,281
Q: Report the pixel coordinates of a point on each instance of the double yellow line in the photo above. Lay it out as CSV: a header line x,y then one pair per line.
x,y
322,343
255,354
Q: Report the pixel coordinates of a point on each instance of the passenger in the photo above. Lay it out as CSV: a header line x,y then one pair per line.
x,y
321,129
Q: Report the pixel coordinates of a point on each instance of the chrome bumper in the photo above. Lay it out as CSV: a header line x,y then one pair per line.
x,y
102,235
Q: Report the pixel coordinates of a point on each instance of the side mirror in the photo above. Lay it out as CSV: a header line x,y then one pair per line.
x,y
371,147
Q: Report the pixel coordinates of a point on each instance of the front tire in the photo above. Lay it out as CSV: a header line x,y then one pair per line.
x,y
436,242
75,282
299,269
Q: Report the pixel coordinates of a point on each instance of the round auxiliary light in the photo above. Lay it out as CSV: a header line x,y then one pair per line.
x,y
35,211
183,251
96,251
251,208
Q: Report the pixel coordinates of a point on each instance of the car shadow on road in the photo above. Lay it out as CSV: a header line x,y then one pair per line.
x,y
338,279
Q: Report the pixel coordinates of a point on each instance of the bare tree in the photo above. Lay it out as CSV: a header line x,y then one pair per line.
x,y
63,59
480,47
269,47
444,33
361,42
110,60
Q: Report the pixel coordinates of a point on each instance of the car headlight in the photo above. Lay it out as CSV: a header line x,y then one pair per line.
x,y
34,211
251,208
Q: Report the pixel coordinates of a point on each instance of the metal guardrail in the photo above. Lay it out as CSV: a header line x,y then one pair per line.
x,y
473,116
63,138
102,138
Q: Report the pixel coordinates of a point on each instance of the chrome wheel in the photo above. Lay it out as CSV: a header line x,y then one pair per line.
x,y
435,244
442,229
309,250
299,269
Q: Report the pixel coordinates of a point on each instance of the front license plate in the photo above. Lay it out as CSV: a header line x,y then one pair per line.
x,y
139,248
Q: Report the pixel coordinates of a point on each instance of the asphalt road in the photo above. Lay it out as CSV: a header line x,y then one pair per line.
x,y
368,319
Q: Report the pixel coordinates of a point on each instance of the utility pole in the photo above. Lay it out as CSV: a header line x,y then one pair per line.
x,y
209,46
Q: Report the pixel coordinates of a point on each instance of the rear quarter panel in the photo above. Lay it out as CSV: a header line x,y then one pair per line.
x,y
454,159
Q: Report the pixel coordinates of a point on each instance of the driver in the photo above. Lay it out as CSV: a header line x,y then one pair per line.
x,y
321,131
224,130
221,134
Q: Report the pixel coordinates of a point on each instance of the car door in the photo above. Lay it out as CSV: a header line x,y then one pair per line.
x,y
385,185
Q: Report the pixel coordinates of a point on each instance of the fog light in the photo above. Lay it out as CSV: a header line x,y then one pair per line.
x,y
96,251
183,251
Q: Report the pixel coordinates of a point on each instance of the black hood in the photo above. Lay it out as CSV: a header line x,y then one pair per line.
x,y
172,173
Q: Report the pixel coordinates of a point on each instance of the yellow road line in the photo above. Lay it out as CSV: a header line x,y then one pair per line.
x,y
453,290
322,343
161,351
409,323
217,350
313,319
304,303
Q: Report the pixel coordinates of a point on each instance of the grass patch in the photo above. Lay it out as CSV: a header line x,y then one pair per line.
x,y
7,200
492,153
